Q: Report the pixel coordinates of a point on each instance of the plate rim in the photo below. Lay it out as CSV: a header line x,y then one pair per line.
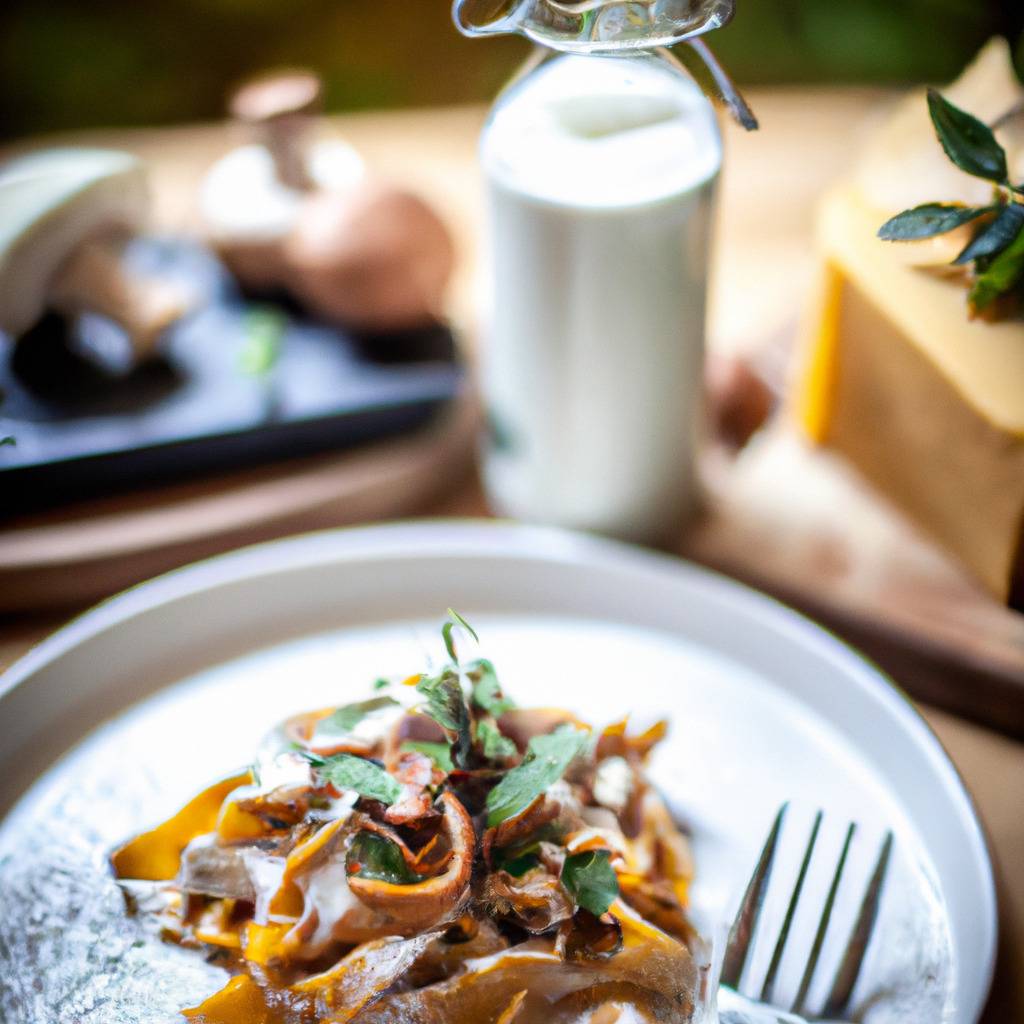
x,y
497,538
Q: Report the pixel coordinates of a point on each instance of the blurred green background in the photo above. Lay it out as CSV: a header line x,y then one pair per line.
x,y
82,63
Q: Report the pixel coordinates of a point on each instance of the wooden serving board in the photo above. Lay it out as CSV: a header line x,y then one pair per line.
x,y
789,519
82,552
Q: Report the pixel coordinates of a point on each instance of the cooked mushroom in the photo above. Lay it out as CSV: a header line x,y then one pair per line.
x,y
417,879
65,218
426,904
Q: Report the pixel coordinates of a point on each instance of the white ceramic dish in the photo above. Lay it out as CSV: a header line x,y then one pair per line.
x,y
765,707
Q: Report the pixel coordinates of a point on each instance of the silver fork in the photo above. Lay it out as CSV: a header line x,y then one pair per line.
x,y
744,931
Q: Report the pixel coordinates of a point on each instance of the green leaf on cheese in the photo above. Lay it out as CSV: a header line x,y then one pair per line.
x,y
1001,276
996,237
929,220
968,142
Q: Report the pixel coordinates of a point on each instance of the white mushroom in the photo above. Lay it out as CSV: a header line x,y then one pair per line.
x,y
65,217
377,260
297,213
251,197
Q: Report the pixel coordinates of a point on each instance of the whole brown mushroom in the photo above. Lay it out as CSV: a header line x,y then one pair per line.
x,y
376,259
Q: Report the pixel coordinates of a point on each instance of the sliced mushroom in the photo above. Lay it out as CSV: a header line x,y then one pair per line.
x,y
521,827
658,969
210,869
521,724
360,978
315,893
426,904
537,901
448,954
660,849
416,774
67,215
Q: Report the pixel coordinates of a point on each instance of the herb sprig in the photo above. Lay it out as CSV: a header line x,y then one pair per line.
x,y
547,758
591,880
996,249
357,773
346,718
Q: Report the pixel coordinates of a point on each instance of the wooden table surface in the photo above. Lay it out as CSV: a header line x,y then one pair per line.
x,y
764,239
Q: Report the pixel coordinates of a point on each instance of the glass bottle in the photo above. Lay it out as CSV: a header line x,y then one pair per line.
x,y
600,165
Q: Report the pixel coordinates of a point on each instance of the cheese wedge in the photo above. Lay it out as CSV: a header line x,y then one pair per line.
x,y
928,404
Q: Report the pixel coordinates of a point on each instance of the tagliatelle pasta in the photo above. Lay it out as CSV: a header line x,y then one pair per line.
x,y
432,854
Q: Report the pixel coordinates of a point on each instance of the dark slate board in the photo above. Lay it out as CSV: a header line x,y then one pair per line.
x,y
83,425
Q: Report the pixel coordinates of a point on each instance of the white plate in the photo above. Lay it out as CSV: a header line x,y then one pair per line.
x,y
764,707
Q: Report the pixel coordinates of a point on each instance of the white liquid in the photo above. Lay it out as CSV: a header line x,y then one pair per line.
x,y
600,176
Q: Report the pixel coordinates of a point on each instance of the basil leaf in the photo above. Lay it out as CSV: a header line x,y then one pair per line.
x,y
992,240
1004,274
264,333
372,856
545,762
381,684
8,441
968,142
487,692
927,221
345,719
455,619
447,706
518,866
495,746
348,772
590,880
439,753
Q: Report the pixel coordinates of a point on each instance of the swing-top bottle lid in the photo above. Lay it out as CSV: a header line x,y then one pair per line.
x,y
594,26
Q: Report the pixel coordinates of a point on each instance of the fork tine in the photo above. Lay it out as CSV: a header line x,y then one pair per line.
x,y
826,914
780,945
742,932
857,947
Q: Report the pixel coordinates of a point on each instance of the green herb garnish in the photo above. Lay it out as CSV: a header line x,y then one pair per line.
x,y
348,772
8,441
494,745
455,619
446,705
547,758
374,857
590,880
345,719
487,693
997,248
381,684
439,753
264,333
519,865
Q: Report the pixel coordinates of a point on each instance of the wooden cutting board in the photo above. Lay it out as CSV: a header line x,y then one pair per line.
x,y
789,519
